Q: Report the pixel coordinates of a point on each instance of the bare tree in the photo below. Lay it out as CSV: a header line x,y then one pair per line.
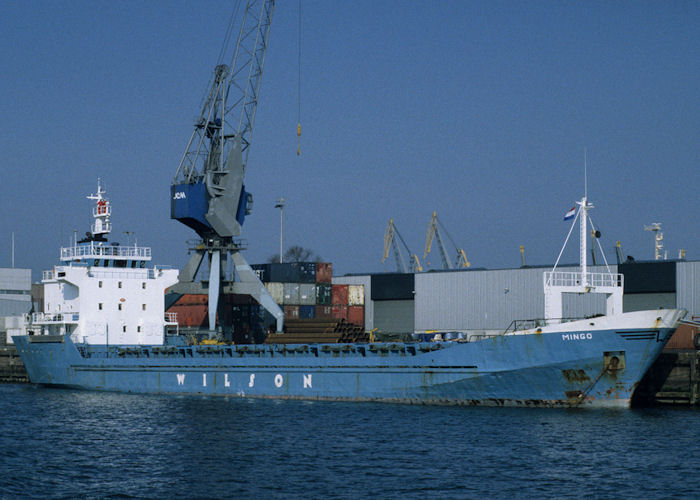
x,y
296,253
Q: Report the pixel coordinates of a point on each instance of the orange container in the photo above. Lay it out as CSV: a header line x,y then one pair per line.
x,y
683,338
324,272
356,315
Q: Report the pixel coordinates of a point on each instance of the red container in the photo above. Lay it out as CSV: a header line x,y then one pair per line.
x,y
324,312
324,272
683,338
339,311
339,295
356,315
291,312
191,315
191,299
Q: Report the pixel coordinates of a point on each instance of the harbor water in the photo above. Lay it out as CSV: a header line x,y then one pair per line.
x,y
69,444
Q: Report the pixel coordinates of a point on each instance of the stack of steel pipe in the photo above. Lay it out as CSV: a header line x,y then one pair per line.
x,y
318,331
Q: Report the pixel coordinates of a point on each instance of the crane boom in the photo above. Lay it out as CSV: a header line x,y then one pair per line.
x,y
434,232
390,236
207,192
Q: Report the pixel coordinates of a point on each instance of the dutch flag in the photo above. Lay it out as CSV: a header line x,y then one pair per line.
x,y
570,214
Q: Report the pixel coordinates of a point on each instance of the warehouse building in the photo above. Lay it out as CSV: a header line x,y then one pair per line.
x,y
487,301
15,301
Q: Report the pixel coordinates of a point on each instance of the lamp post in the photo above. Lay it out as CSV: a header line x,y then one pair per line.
x,y
280,204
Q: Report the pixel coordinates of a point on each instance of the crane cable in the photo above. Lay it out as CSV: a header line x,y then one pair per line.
x,y
299,88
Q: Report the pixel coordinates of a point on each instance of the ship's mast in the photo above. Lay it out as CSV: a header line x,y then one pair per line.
x,y
557,283
102,213
583,247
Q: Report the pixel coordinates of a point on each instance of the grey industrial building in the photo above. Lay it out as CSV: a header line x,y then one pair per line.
x,y
483,300
15,299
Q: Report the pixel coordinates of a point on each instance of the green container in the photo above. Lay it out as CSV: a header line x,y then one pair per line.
x,y
323,294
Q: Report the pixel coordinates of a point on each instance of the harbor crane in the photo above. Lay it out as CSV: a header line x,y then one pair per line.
x,y
434,233
390,236
207,192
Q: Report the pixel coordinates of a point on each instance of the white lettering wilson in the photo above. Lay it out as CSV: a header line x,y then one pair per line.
x,y
307,381
180,378
180,195
576,336
227,382
279,380
251,383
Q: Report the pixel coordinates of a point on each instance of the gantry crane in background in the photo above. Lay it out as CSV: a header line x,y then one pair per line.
x,y
434,232
207,192
390,236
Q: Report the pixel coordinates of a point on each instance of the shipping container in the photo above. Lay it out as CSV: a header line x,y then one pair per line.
x,y
324,294
196,315
276,289
307,294
356,315
239,312
291,294
306,271
339,295
356,295
190,299
286,272
262,271
283,272
339,311
235,298
324,272
324,312
280,272
291,312
683,338
307,312
191,310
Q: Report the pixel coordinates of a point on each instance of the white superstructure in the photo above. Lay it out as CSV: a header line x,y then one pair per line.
x,y
104,293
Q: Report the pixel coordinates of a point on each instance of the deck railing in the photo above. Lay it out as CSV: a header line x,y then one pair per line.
x,y
566,278
93,251
54,318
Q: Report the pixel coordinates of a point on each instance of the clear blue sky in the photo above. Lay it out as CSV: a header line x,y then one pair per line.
x,y
479,110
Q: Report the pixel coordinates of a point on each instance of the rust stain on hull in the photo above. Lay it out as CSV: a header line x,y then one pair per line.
x,y
576,376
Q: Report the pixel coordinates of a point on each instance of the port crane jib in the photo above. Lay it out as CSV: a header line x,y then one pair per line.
x,y
435,233
207,192
390,236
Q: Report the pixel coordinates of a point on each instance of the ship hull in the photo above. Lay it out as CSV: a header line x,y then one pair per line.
x,y
586,363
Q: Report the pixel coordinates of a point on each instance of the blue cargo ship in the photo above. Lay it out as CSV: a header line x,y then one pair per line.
x,y
105,328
